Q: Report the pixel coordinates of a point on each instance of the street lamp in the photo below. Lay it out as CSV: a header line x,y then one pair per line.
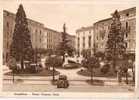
x,y
13,74
53,63
36,48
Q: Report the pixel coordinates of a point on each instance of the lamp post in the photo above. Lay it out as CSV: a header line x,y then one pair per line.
x,y
53,63
36,48
13,75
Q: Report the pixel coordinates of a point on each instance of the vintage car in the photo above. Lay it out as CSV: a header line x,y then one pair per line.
x,y
62,82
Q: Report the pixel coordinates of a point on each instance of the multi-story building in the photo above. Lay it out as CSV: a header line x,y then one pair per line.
x,y
100,31
128,22
51,38
41,37
35,28
84,39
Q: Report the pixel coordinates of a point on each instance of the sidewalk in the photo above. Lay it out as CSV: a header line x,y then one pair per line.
x,y
47,80
72,75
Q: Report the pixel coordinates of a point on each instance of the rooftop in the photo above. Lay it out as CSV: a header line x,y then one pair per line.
x,y
12,14
84,28
103,20
127,10
49,29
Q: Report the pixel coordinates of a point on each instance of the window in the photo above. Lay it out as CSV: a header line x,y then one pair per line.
x,y
36,31
7,34
126,45
90,31
7,24
83,42
97,37
127,14
126,25
89,41
102,34
78,42
126,34
7,45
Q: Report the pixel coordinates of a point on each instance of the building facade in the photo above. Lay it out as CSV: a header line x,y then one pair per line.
x,y
84,39
51,38
41,36
35,28
128,23
128,20
100,31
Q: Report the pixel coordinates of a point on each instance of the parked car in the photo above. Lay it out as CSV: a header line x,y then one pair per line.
x,y
62,82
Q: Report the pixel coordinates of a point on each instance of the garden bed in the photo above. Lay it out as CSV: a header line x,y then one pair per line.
x,y
95,82
96,73
70,66
44,72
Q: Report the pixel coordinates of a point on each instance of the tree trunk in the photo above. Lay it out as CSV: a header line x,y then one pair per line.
x,y
53,73
126,76
119,76
133,73
22,63
91,75
63,58
13,75
112,69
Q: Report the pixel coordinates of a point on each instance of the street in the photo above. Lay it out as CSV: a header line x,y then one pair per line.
x,y
74,87
77,83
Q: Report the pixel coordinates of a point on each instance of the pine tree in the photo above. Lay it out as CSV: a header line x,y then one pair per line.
x,y
116,46
64,46
21,46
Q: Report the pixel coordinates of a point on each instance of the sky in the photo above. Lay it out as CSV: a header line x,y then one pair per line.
x,y
75,13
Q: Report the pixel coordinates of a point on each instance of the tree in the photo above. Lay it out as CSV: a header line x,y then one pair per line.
x,y
90,63
21,46
12,65
100,54
116,46
64,46
86,53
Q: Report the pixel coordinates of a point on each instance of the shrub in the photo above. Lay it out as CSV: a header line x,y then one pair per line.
x,y
105,68
12,65
56,62
90,62
100,55
70,61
